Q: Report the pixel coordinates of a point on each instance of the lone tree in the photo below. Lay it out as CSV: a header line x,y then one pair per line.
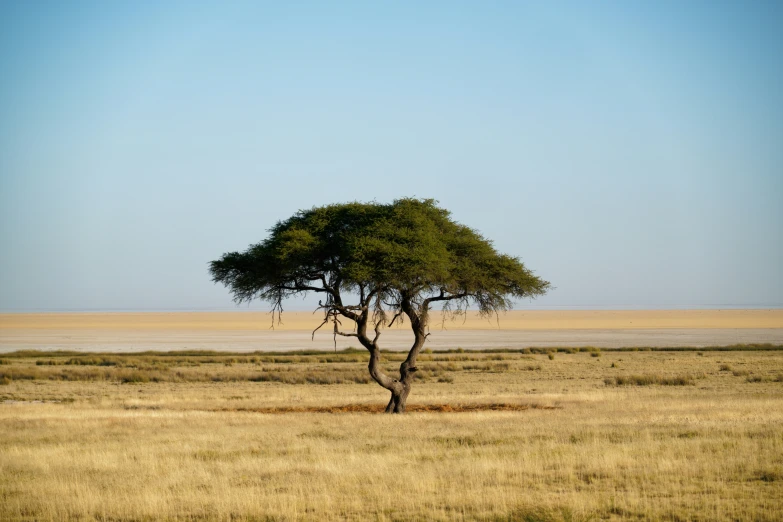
x,y
399,259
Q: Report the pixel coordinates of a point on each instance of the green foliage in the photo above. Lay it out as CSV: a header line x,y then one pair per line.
x,y
410,248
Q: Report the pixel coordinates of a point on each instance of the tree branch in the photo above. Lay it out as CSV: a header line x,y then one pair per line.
x,y
337,332
378,326
394,319
326,320
444,297
303,288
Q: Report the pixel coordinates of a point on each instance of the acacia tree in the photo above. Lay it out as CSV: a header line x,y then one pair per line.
x,y
393,261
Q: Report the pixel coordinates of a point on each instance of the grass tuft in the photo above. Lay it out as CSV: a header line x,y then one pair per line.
x,y
543,514
651,379
768,475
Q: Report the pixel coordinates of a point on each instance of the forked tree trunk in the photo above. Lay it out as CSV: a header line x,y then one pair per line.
x,y
402,387
399,388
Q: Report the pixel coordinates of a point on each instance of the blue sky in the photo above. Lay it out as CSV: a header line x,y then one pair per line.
x,y
630,153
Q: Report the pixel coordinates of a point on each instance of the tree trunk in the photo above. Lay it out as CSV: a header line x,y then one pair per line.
x,y
399,388
398,399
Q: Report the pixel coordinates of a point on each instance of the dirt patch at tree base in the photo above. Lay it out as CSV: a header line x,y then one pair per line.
x,y
411,408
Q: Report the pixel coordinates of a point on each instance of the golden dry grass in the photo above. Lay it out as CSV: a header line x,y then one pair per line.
x,y
570,446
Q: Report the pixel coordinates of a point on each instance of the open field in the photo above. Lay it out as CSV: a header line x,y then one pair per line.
x,y
250,331
558,435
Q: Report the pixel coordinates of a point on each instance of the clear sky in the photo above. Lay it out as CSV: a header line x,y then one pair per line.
x,y
629,152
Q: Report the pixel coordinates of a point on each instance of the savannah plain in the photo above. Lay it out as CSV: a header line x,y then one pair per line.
x,y
589,415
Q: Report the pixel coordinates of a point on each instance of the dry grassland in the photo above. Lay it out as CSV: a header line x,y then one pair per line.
x,y
590,435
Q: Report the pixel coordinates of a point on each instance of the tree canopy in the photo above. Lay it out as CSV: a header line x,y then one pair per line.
x,y
398,258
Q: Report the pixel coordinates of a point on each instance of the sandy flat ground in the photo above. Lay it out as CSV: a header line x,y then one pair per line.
x,y
250,331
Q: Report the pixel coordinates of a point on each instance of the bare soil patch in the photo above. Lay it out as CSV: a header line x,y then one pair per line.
x,y
379,408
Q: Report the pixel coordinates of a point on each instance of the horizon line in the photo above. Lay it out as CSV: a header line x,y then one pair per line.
x,y
551,308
